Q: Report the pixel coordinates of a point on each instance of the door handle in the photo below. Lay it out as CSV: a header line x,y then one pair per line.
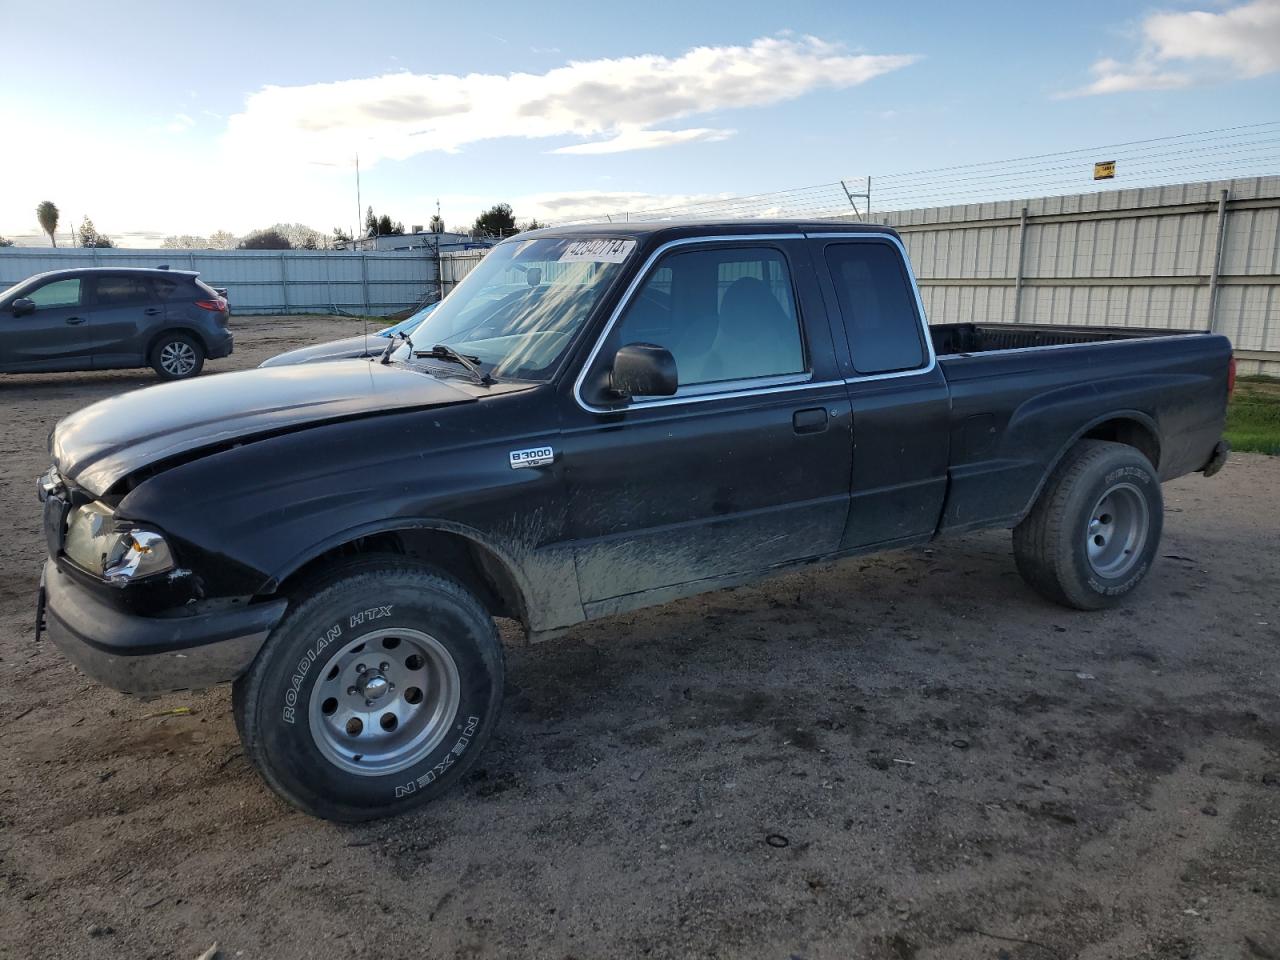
x,y
75,320
151,311
813,420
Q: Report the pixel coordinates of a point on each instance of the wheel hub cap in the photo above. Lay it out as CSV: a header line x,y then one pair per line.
x,y
1116,531
177,358
384,701
374,686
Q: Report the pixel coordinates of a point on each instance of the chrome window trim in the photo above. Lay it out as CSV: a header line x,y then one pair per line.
x,y
742,391
915,290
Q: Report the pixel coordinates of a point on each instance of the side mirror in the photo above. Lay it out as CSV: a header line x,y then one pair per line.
x,y
643,370
22,306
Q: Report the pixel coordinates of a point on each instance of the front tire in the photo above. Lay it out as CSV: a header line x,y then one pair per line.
x,y
1095,528
375,694
177,356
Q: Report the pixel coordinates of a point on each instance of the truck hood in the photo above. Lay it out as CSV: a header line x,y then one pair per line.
x,y
99,445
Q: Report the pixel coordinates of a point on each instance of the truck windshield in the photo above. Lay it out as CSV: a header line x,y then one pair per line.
x,y
518,310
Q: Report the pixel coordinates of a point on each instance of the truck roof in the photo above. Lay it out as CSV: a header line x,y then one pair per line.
x,y
663,230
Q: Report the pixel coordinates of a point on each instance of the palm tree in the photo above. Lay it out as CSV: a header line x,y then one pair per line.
x,y
47,214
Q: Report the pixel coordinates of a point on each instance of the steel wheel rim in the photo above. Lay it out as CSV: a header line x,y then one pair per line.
x,y
1117,530
407,675
178,358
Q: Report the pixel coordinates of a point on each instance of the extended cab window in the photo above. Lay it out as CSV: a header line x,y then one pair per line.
x,y
119,291
60,293
725,314
878,306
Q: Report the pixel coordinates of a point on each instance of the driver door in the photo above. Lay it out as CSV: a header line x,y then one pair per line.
x,y
54,337
747,466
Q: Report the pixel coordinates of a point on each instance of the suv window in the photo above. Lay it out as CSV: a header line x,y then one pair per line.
x,y
878,306
725,313
119,291
59,293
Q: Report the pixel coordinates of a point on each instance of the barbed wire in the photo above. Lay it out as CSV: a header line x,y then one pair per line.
x,y
1217,154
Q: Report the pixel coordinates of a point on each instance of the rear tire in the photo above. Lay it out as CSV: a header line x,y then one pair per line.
x,y
375,694
1095,528
177,356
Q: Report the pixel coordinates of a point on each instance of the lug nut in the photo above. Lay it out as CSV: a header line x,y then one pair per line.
x,y
352,691
384,667
360,668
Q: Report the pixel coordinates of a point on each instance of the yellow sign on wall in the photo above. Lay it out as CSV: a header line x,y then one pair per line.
x,y
1105,170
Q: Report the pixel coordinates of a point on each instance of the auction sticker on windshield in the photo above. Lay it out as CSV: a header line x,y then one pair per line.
x,y
597,251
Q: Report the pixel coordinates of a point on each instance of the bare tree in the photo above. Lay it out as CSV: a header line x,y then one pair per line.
x,y
47,214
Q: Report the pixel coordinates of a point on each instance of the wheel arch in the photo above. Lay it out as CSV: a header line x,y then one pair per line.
x,y
485,568
1130,427
191,332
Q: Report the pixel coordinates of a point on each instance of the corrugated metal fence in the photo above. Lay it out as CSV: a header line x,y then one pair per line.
x,y
455,266
1198,255
269,281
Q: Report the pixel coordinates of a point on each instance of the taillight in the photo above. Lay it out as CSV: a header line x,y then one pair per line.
x,y
217,304
1231,376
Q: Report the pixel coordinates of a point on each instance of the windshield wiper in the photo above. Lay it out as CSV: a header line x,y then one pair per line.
x,y
392,346
442,351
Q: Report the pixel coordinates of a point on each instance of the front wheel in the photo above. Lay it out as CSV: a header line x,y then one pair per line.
x,y
1094,530
375,694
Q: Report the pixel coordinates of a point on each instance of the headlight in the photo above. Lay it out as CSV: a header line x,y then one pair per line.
x,y
107,547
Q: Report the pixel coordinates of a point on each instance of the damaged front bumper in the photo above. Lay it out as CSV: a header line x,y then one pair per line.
x,y
150,655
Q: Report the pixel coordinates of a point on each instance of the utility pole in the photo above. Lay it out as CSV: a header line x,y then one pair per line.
x,y
359,208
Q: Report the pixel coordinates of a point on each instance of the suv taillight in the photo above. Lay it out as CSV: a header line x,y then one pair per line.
x,y
217,304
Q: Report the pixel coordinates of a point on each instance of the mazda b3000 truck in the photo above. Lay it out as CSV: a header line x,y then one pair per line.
x,y
597,419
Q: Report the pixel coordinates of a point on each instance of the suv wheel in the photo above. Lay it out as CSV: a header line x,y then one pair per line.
x,y
375,694
177,356
1093,533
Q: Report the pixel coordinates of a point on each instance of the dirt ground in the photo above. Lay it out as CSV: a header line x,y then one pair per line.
x,y
905,756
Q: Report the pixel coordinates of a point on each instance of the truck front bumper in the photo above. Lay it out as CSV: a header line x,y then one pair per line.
x,y
150,655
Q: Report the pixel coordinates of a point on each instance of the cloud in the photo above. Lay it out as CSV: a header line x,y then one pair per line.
x,y
634,138
613,104
180,123
1112,76
573,205
1245,40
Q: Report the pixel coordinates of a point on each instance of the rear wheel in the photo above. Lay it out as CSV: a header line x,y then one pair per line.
x,y
1093,533
177,356
375,694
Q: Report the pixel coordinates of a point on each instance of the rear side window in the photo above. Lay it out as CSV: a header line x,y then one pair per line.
x,y
878,306
60,293
167,289
119,291
725,314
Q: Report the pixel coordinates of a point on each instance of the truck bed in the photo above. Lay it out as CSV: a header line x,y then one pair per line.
x,y
952,339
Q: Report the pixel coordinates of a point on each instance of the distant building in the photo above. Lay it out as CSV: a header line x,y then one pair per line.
x,y
420,240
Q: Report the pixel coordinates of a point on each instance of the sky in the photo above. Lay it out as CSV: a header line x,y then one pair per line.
x,y
153,121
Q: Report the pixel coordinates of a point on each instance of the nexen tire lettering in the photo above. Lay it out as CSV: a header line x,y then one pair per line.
x,y
438,770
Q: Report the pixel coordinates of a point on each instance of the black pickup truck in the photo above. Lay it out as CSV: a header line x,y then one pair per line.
x,y
597,419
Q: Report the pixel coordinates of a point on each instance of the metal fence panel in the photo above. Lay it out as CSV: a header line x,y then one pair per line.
x,y
1175,256
267,281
